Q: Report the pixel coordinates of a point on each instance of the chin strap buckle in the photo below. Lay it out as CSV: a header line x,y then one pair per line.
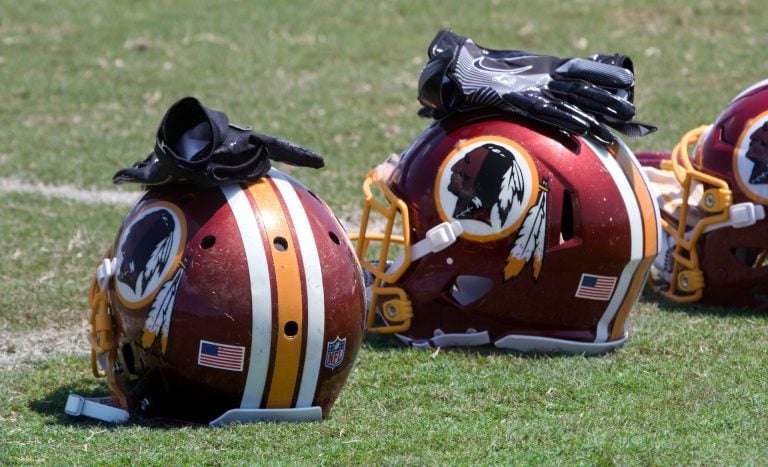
x,y
105,271
745,214
99,408
438,238
739,216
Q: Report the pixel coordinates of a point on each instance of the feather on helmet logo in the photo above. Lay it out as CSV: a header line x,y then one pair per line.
x,y
529,242
149,266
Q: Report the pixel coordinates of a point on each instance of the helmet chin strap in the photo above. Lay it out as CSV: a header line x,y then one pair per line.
x,y
438,238
739,216
298,414
102,340
105,271
99,408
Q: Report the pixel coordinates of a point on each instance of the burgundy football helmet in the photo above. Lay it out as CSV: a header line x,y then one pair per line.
x,y
491,229
231,304
713,208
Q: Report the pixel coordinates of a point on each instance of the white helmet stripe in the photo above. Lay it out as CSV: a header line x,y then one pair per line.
x,y
602,333
261,296
315,325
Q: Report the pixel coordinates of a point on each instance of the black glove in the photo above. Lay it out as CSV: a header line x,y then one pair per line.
x,y
197,145
577,95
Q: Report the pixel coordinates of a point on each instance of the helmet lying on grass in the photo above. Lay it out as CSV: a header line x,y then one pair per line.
x,y
713,203
226,302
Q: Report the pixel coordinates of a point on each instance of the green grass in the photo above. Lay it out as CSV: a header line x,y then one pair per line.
x,y
83,86
48,252
686,389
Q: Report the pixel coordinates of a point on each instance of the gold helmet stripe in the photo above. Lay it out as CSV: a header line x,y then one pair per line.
x,y
288,311
314,291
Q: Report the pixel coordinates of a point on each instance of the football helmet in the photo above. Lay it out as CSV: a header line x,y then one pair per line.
x,y
226,304
713,189
493,229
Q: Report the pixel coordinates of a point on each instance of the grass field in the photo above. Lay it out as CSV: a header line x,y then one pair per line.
x,y
83,86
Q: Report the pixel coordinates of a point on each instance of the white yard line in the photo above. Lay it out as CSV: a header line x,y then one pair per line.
x,y
120,198
18,349
68,192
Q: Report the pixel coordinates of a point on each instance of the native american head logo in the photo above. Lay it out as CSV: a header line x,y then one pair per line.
x,y
146,251
487,177
149,266
750,159
758,154
487,184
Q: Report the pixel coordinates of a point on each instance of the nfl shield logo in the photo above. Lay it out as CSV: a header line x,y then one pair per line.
x,y
334,353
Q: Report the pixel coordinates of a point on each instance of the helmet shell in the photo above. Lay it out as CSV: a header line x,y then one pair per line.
x,y
235,297
557,232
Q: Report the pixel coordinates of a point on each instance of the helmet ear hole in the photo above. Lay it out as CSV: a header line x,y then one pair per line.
x,y
721,134
469,289
334,238
128,359
187,198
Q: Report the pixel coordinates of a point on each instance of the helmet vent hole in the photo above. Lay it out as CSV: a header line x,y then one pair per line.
x,y
291,328
751,257
280,243
720,131
207,242
334,238
566,219
469,289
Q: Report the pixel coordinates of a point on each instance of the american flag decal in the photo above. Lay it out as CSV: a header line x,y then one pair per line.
x,y
221,356
594,287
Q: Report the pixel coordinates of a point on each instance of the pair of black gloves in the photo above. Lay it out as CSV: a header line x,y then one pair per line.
x,y
198,145
579,96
